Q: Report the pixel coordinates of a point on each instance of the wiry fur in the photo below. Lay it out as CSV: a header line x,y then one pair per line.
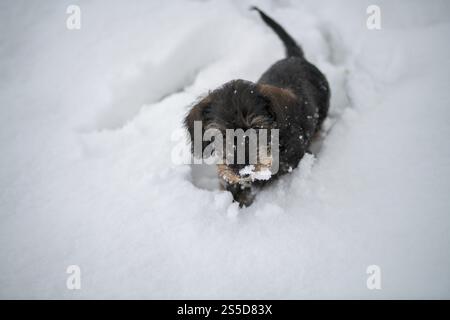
x,y
292,96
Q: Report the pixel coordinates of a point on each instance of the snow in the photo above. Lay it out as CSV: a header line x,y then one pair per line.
x,y
88,120
262,174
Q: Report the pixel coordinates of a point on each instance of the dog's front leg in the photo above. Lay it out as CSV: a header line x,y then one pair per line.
x,y
240,189
244,195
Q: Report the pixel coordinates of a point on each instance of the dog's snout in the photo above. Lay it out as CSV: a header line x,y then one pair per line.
x,y
237,167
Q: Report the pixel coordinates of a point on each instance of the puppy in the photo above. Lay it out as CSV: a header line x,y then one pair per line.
x,y
292,97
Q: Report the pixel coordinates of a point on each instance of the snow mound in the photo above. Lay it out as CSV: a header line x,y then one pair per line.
x,y
87,175
249,171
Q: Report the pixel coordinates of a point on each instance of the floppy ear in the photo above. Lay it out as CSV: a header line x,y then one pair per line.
x,y
197,113
282,101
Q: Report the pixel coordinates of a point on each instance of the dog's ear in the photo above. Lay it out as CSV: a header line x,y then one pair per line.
x,y
197,113
282,101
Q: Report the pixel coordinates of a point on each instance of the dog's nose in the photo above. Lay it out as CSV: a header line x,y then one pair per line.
x,y
237,167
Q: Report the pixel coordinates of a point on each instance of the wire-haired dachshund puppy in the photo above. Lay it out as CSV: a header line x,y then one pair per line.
x,y
292,96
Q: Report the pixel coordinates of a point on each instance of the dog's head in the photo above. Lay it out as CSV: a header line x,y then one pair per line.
x,y
241,104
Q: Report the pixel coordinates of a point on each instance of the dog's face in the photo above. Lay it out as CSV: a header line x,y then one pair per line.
x,y
237,104
244,105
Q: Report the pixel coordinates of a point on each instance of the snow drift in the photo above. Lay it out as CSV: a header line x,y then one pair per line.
x,y
90,118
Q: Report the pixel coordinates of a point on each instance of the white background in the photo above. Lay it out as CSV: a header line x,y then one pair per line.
x,y
86,176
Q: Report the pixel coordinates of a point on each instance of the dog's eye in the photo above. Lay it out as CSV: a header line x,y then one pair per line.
x,y
267,107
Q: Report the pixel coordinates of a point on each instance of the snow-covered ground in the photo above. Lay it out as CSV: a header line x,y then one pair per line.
x,y
89,120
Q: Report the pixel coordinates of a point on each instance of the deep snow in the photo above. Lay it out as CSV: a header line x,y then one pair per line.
x,y
89,121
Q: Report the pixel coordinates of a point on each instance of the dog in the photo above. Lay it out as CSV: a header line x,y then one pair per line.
x,y
292,96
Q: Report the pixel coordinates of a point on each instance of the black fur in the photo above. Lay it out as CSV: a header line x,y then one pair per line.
x,y
292,48
292,96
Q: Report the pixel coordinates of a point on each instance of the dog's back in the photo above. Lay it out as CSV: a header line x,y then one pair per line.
x,y
297,74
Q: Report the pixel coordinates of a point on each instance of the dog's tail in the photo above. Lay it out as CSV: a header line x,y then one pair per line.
x,y
292,48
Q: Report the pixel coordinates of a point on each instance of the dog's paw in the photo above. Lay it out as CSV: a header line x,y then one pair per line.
x,y
244,195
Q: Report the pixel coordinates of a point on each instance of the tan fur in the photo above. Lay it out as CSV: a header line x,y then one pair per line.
x,y
281,97
226,173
